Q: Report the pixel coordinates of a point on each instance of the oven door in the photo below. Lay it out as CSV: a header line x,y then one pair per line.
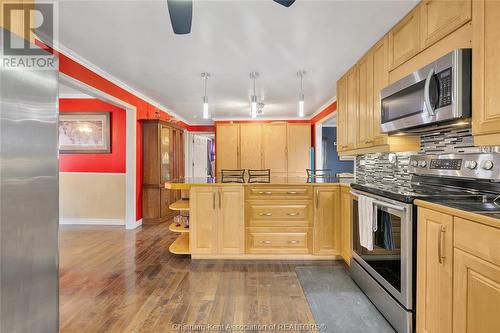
x,y
390,262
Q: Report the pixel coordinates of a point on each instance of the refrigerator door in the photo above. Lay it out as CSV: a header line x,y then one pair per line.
x,y
29,200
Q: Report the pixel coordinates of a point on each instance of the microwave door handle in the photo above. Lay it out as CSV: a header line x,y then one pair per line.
x,y
427,98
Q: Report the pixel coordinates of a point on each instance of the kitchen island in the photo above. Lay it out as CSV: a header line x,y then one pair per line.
x,y
286,218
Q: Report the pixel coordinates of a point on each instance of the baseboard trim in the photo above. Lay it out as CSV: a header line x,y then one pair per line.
x,y
72,220
264,257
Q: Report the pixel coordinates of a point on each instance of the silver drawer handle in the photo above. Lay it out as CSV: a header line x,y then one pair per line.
x,y
266,192
265,242
265,214
292,214
293,242
291,192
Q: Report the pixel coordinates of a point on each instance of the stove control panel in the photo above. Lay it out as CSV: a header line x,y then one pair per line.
x,y
479,166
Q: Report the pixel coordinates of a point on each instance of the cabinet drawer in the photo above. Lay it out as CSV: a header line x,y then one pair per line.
x,y
279,214
271,193
286,241
477,239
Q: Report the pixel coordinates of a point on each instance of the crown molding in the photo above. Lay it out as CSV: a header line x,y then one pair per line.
x,y
324,106
84,62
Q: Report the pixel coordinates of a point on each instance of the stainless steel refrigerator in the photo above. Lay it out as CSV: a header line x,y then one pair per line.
x,y
29,199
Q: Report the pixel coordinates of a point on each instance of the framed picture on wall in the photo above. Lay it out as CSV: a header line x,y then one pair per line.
x,y
84,132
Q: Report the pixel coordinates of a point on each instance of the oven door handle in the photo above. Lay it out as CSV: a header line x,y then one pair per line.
x,y
383,204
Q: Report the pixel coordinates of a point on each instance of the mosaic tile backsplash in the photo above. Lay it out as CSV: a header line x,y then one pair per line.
x,y
392,169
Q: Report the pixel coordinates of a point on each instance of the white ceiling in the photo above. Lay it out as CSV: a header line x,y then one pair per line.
x,y
133,42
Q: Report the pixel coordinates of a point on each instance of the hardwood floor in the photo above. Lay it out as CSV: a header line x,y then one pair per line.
x,y
114,280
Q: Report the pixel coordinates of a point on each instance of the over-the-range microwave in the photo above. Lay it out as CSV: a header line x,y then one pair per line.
x,y
435,95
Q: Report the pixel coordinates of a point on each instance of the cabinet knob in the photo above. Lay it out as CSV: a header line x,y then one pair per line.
x,y
265,242
265,214
265,192
291,192
292,214
293,242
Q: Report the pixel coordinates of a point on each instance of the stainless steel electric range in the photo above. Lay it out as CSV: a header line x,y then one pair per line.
x,y
387,273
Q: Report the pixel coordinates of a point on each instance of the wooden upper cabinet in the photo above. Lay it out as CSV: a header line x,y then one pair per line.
x,y
251,146
404,39
486,72
434,272
365,101
342,114
438,18
326,220
274,148
299,144
380,81
227,149
351,108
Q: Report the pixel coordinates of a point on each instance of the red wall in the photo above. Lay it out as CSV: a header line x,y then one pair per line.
x,y
113,162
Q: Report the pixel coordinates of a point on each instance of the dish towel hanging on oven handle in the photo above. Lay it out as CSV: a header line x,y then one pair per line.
x,y
366,222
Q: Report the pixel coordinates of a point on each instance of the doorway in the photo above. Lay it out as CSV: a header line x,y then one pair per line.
x,y
200,155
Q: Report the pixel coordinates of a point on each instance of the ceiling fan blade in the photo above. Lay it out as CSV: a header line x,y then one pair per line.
x,y
181,15
286,3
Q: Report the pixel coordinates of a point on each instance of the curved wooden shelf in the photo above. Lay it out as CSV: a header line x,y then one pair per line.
x,y
180,245
173,227
181,204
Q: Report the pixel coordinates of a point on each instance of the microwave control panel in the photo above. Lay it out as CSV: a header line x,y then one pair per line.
x,y
445,87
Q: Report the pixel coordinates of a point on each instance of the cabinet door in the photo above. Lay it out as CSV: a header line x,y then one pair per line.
x,y
203,220
345,224
439,18
274,146
299,143
352,108
231,220
404,39
342,115
380,81
227,149
251,146
434,272
486,72
166,149
364,131
476,295
326,220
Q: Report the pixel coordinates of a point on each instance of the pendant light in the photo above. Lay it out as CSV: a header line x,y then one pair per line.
x,y
300,107
206,113
253,100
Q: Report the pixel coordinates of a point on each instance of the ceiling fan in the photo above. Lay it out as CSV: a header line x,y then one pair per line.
x,y
181,14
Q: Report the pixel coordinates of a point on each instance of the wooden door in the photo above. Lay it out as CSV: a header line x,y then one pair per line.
x,y
434,272
342,124
251,146
352,107
404,39
299,143
227,147
346,224
203,220
364,131
439,18
486,72
274,146
231,220
326,227
380,81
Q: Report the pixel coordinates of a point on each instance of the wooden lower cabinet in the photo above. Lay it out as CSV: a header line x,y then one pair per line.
x,y
278,240
217,220
346,224
326,220
458,274
434,272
